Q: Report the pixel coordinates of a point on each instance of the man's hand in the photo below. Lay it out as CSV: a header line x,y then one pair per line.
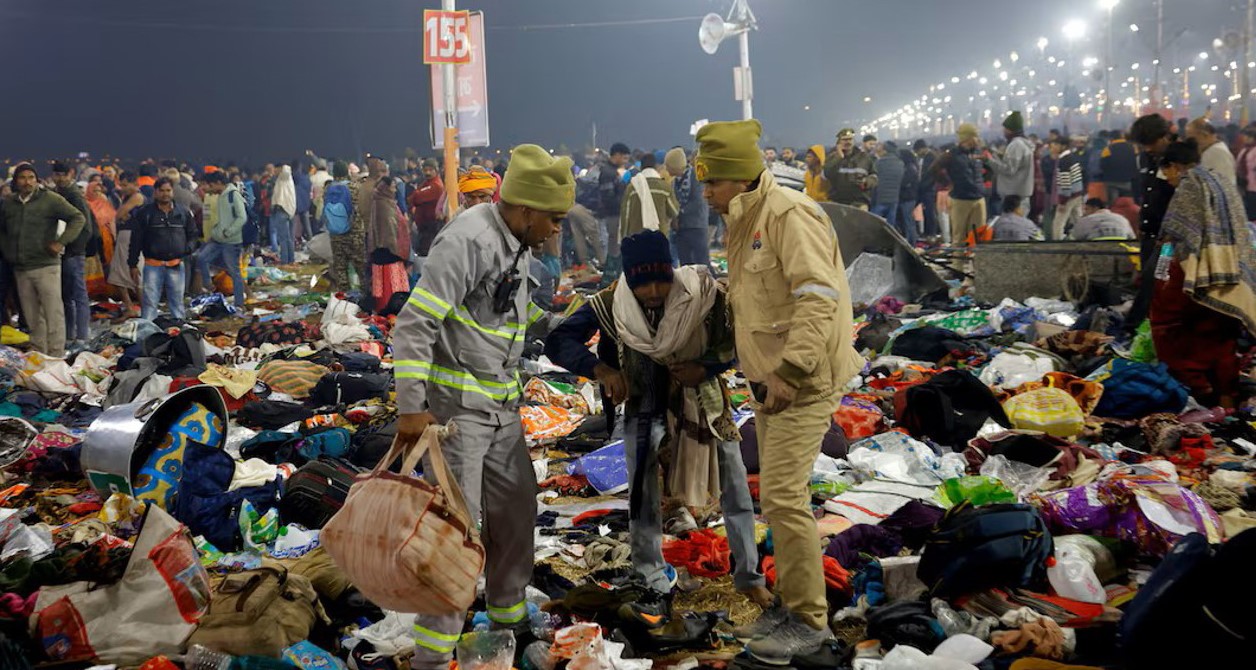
x,y
612,382
55,248
780,395
689,374
410,427
135,276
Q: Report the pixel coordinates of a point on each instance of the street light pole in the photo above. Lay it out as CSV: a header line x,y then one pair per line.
x,y
1157,85
1245,90
747,86
450,77
1107,63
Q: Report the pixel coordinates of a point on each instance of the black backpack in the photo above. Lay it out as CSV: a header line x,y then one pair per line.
x,y
972,549
1205,590
948,409
346,388
316,491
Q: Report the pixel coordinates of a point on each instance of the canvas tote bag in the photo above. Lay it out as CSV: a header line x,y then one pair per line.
x,y
406,544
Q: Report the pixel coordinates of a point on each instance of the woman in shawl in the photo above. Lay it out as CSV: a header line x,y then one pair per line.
x,y
389,241
1209,295
282,211
104,213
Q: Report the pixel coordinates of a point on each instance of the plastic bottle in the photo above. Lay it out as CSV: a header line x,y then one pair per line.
x,y
1073,577
1164,261
537,657
204,658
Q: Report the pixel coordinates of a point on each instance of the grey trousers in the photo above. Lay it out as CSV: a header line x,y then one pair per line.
x,y
611,225
735,501
586,234
490,461
40,293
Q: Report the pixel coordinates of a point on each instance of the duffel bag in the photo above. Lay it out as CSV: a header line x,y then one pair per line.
x,y
259,613
316,491
406,544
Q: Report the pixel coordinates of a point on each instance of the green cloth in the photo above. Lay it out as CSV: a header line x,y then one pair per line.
x,y
729,150
665,203
26,229
1014,122
537,180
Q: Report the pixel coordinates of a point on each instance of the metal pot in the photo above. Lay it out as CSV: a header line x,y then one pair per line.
x,y
122,438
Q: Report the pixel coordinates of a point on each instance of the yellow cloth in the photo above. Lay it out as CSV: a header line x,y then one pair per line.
x,y
817,186
476,179
235,381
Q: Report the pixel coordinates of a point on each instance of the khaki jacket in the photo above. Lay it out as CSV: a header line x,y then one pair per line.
x,y
788,291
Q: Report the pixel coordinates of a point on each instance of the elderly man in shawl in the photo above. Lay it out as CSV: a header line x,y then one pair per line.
x,y
665,339
1208,295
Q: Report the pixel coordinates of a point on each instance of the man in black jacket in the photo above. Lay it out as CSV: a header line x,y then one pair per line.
x,y
610,189
165,233
928,193
1154,134
78,310
1119,165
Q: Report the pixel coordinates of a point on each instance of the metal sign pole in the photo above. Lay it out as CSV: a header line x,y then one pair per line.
x,y
450,76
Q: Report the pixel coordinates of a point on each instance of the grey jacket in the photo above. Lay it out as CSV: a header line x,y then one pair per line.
x,y
890,170
1014,171
455,354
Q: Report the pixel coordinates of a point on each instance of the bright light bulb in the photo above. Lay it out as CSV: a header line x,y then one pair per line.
x,y
1075,29
1203,55
954,80
1133,27
1043,42
1109,4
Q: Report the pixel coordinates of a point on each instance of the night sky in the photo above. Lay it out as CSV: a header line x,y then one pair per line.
x,y
267,79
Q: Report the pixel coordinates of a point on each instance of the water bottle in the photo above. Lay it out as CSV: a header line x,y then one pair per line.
x,y
1164,261
204,658
1073,577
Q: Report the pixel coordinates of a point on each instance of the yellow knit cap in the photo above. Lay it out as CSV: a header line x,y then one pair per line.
x,y
538,180
729,150
966,131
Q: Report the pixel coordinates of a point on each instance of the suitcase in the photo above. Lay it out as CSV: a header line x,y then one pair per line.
x,y
316,491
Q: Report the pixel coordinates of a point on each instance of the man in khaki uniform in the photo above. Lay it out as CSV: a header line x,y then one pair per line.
x,y
793,325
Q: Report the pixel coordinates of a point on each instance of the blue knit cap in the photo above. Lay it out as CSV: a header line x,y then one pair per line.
x,y
647,258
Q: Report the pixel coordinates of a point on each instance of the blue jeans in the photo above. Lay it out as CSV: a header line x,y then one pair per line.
x,y
886,211
281,231
906,224
78,310
228,257
159,280
647,530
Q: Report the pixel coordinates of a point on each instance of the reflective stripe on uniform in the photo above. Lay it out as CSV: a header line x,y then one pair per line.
x,y
426,301
438,642
424,371
534,313
513,614
816,289
463,316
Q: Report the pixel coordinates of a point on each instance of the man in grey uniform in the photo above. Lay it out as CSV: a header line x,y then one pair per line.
x,y
457,346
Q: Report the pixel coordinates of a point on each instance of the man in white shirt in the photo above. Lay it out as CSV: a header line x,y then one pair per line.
x,y
1213,153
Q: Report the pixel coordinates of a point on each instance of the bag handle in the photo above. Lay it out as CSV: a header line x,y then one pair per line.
x,y
429,444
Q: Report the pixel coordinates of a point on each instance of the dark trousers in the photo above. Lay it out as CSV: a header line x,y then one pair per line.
x,y
1147,283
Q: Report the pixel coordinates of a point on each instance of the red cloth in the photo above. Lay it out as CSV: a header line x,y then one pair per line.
x,y
1198,344
702,552
387,280
836,578
590,515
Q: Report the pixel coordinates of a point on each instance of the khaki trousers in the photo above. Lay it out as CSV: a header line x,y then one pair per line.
x,y
1066,216
966,217
788,445
40,293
